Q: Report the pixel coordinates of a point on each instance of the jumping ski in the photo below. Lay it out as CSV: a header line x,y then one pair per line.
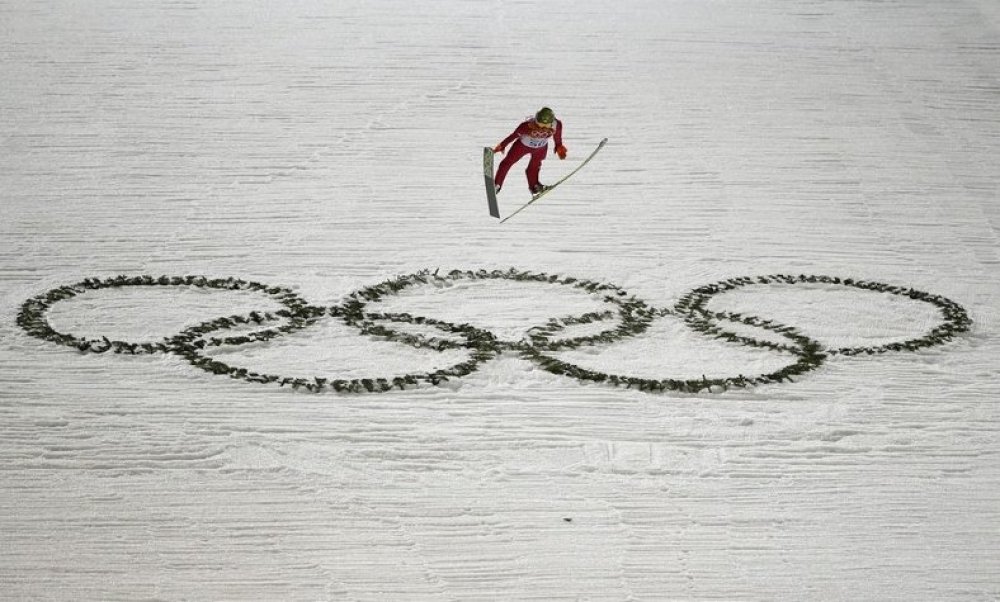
x,y
492,194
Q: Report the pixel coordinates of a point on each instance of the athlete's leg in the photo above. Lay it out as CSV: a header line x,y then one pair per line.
x,y
535,166
514,154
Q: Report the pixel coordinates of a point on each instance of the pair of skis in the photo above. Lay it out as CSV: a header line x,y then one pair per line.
x,y
491,195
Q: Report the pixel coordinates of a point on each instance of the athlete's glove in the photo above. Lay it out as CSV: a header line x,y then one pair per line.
x,y
498,149
561,151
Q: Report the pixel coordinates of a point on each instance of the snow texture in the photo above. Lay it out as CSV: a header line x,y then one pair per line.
x,y
325,147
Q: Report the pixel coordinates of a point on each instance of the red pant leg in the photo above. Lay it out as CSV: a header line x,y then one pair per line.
x,y
535,165
514,154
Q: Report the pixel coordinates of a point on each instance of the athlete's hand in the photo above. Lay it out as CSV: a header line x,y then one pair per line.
x,y
561,151
498,149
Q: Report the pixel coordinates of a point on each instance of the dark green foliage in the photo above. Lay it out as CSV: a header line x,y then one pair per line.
x,y
633,318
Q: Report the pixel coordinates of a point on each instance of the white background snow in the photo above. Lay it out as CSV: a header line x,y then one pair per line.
x,y
328,146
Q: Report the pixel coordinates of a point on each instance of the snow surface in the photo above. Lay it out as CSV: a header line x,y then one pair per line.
x,y
329,146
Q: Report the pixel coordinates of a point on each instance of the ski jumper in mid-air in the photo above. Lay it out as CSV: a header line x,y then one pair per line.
x,y
531,138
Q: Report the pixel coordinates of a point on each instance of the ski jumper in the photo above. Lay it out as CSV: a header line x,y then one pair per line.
x,y
530,138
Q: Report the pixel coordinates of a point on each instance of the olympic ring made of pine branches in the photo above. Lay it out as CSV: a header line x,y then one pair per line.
x,y
633,317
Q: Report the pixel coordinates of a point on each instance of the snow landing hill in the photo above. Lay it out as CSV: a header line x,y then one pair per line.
x,y
260,340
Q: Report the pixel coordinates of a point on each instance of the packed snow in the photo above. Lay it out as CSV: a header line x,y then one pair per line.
x,y
323,149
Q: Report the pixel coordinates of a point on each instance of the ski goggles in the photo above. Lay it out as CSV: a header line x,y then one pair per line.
x,y
546,124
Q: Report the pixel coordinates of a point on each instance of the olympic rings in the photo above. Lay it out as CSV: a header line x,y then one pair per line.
x,y
807,351
633,318
635,314
372,384
956,319
32,317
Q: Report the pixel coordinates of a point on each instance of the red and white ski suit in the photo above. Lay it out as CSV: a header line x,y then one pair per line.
x,y
529,138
